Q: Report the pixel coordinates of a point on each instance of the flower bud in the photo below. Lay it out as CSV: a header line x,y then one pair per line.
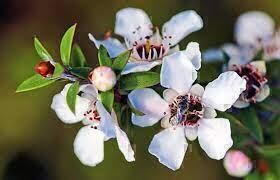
x,y
45,68
237,163
103,78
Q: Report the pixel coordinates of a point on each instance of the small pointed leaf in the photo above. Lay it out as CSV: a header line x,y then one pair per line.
x,y
103,57
42,52
120,61
77,59
66,45
139,80
107,99
72,95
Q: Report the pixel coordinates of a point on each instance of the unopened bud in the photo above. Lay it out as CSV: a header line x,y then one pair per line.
x,y
237,163
103,78
45,68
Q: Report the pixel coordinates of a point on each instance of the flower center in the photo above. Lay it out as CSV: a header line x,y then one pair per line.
x,y
186,110
255,81
92,114
148,50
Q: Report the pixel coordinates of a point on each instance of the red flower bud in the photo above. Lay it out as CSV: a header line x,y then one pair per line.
x,y
263,166
45,68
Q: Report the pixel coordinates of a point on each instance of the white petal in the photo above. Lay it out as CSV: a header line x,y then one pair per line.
x,y
149,102
193,53
213,55
60,106
191,132
253,26
174,49
197,89
181,25
177,72
133,24
209,113
89,146
124,144
169,95
142,66
224,91
241,104
165,122
169,146
144,121
113,46
107,124
260,65
264,93
214,136
89,91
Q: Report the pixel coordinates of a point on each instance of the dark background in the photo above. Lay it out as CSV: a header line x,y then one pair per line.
x,y
34,144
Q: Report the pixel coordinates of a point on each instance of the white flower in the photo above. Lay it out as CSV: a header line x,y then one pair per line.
x,y
148,48
237,163
187,110
99,126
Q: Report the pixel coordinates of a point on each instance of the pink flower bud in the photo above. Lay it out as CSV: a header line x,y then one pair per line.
x,y
237,163
45,68
103,78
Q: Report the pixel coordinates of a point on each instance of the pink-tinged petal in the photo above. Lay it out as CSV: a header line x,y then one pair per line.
x,y
133,24
177,72
170,146
113,46
89,146
214,136
197,90
253,27
124,144
181,25
222,93
169,95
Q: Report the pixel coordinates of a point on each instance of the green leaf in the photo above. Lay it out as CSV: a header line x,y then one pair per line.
x,y
270,151
77,59
81,72
103,57
259,55
42,52
250,120
253,176
59,69
121,60
107,99
134,110
234,121
209,71
72,95
34,82
139,80
270,104
66,45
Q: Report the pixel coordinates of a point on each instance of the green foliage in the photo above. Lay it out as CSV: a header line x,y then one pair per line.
x,y
120,61
41,51
253,176
107,99
72,95
139,80
251,121
57,71
209,72
34,82
77,58
66,45
270,151
81,72
103,57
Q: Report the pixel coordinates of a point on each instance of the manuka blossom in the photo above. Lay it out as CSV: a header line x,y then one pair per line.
x,y
186,110
99,126
147,45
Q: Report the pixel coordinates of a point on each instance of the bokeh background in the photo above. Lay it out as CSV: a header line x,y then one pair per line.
x,y
34,144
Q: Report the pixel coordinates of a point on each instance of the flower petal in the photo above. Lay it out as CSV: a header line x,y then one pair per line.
x,y
191,132
177,72
181,25
89,146
214,136
124,144
113,46
213,55
165,122
260,65
149,102
241,104
170,146
193,53
169,95
224,91
107,124
264,93
197,90
209,113
133,24
60,106
144,121
251,27
142,66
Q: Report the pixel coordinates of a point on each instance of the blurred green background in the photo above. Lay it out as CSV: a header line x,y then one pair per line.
x,y
34,141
